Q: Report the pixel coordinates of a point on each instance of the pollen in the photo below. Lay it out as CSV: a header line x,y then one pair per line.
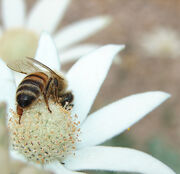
x,y
43,137
18,43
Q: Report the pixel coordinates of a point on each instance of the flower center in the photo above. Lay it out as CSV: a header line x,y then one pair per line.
x,y
18,43
43,137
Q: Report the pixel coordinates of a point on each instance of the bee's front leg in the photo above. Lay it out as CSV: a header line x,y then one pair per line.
x,y
66,99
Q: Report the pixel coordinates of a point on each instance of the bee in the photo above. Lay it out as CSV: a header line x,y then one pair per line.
x,y
39,79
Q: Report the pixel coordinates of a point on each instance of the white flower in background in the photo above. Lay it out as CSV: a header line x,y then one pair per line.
x,y
19,33
161,42
85,79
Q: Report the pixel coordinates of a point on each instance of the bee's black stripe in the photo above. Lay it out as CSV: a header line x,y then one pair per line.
x,y
25,100
32,82
31,88
38,76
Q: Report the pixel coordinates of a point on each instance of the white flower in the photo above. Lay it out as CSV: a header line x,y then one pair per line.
x,y
20,33
161,42
85,79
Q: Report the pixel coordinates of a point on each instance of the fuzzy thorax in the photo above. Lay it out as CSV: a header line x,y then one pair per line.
x,y
42,136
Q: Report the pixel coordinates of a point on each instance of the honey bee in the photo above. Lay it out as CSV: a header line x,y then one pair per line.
x,y
40,79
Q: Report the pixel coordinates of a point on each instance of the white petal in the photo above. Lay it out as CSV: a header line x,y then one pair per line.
x,y
116,159
47,14
58,168
13,13
1,31
7,86
117,60
18,77
81,30
86,76
76,52
47,52
16,156
118,116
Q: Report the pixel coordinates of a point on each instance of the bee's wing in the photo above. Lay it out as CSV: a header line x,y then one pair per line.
x,y
34,61
25,66
29,65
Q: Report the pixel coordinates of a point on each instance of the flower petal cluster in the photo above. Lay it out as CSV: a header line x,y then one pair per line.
x,y
21,31
85,79
161,42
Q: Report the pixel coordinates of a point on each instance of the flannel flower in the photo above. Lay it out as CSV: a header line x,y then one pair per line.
x,y
84,152
19,33
161,42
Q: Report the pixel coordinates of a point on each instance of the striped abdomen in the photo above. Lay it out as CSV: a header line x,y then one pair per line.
x,y
30,88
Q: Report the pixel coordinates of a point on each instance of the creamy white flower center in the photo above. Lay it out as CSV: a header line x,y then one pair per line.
x,y
18,43
42,136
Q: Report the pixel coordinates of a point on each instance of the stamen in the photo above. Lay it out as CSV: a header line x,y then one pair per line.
x,y
43,136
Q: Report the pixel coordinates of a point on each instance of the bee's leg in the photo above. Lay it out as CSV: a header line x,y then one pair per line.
x,y
19,112
55,92
46,94
66,98
46,101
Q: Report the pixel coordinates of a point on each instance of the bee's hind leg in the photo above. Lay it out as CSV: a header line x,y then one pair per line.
x,y
46,101
46,94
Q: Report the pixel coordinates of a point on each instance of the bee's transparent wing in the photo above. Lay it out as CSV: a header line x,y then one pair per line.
x,y
34,61
37,63
25,66
29,65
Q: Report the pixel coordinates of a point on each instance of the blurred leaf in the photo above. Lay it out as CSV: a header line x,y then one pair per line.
x,y
168,115
122,140
105,172
167,154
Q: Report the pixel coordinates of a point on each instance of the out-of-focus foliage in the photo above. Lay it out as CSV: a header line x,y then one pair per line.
x,y
102,172
122,140
167,154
